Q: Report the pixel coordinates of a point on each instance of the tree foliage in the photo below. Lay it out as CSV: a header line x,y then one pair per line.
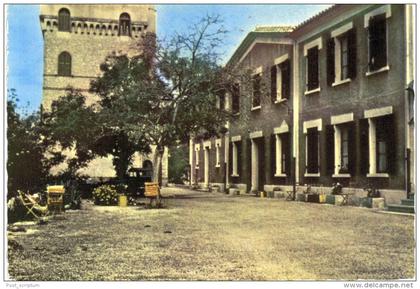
x,y
26,167
168,92
90,131
161,96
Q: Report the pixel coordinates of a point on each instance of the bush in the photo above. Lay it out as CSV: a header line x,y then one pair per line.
x,y
105,195
16,211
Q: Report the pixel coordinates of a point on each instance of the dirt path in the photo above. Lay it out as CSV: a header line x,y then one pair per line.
x,y
204,236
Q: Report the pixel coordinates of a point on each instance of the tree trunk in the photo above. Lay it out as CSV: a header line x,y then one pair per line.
x,y
157,163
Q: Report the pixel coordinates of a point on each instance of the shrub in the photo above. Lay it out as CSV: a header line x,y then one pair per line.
x,y
105,195
16,211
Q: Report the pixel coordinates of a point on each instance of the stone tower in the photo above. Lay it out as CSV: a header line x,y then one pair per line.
x,y
77,39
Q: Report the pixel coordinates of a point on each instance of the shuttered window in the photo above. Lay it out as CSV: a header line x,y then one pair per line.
x,y
312,151
235,98
285,79
352,53
364,146
344,57
221,97
344,162
64,20
64,64
285,153
385,148
330,61
125,25
256,90
273,74
273,155
377,42
330,151
312,69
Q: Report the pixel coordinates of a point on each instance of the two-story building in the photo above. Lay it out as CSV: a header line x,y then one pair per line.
x,y
328,101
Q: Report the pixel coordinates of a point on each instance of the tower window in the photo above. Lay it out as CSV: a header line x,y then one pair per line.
x,y
64,64
125,25
64,20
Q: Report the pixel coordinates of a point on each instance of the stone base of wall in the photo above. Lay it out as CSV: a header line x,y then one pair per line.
x,y
242,188
390,196
217,187
203,186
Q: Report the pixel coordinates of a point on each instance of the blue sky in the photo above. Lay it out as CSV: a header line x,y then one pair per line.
x,y
25,45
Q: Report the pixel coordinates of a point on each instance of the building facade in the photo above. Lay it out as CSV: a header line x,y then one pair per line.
x,y
327,101
77,39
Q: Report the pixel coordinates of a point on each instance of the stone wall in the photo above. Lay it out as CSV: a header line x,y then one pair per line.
x,y
92,37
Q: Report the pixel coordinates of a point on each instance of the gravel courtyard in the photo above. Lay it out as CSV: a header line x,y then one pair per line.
x,y
212,236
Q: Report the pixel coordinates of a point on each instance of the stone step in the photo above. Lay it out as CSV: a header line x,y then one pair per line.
x,y
401,208
407,202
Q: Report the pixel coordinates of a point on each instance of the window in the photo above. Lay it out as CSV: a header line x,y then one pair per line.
x,y
256,90
274,79
236,156
377,42
312,166
341,55
381,153
221,100
197,156
340,154
64,64
218,144
344,69
312,69
280,81
383,144
64,20
285,79
125,25
235,98
344,162
282,154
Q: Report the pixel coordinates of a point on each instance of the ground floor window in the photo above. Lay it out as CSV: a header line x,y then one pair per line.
x,y
218,154
282,154
197,157
381,145
236,156
344,160
312,151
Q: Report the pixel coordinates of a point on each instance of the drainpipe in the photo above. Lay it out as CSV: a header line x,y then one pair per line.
x,y
295,110
409,91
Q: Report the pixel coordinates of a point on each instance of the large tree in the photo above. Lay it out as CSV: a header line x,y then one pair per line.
x,y
89,131
168,92
27,170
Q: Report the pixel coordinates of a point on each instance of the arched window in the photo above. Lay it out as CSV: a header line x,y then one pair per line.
x,y
64,64
125,25
64,20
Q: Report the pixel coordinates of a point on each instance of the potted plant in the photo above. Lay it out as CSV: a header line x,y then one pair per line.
x,y
302,196
373,198
334,197
311,197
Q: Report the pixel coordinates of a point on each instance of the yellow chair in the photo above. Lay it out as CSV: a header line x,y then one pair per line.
x,y
152,192
55,196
